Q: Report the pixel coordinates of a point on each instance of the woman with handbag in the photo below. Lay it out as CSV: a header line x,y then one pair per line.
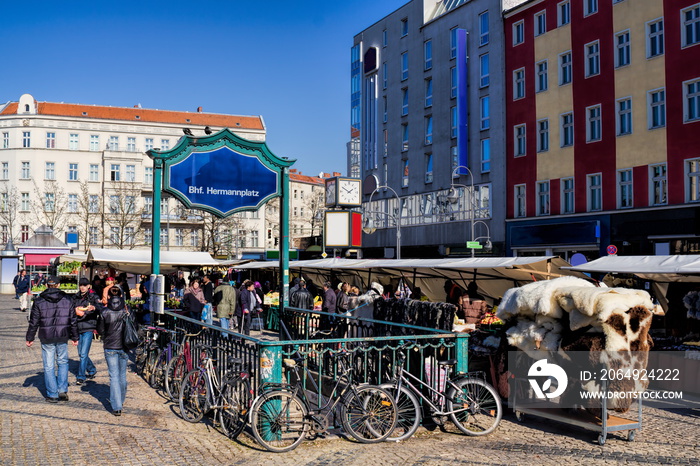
x,y
114,318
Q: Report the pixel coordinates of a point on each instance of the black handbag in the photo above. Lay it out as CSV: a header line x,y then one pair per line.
x,y
130,337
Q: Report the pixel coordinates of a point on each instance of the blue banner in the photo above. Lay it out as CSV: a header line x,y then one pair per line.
x,y
462,102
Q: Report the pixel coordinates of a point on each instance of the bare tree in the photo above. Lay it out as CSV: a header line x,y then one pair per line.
x,y
122,216
89,214
314,206
9,208
220,235
50,205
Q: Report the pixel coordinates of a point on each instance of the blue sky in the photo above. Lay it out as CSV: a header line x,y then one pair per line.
x,y
287,61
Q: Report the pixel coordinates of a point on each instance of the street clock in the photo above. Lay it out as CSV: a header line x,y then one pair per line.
x,y
344,192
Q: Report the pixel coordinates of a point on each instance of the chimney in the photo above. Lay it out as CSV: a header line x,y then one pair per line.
x,y
199,109
336,173
292,170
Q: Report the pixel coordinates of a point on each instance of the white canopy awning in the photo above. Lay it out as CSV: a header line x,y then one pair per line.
x,y
675,268
139,260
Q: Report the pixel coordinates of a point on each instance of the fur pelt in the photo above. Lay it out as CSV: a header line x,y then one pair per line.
x,y
537,298
692,303
375,291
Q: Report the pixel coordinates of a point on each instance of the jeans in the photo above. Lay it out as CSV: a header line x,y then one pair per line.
x,y
51,354
227,323
86,366
208,309
116,365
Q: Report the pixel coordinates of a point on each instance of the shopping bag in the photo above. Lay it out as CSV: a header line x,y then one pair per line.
x,y
256,323
130,337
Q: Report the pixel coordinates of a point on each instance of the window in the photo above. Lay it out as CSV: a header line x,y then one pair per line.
x,y
595,192
455,158
691,91
453,82
428,130
164,237
453,43
149,144
540,23
129,235
690,33
114,207
624,116
148,205
50,140
194,238
25,172
404,27
622,49
593,129
148,175
148,236
114,235
50,171
404,66
94,142
520,205
565,68
5,140
657,176
624,189
165,144
404,102
72,203
429,92
485,113
567,130
543,198
93,203
484,70
692,170
657,108
429,168
73,142
24,202
404,137
26,139
94,174
385,75
72,172
6,170
655,38
386,142
543,135
404,175
453,113
24,232
590,7
428,54
519,84
518,32
49,202
179,237
542,82
131,144
563,13
484,28
485,155
114,172
520,145
131,173
567,195
114,143
386,110
592,59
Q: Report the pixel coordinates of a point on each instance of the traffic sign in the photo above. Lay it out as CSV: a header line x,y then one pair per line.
x,y
324,254
612,250
474,245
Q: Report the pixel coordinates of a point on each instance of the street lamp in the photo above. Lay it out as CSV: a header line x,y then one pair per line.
x,y
453,197
318,216
368,224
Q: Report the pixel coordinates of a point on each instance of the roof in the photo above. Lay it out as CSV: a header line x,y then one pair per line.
x,y
298,177
142,114
674,268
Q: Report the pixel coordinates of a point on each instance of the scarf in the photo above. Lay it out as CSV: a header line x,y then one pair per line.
x,y
197,293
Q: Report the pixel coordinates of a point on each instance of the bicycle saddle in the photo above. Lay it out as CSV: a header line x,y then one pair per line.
x,y
449,362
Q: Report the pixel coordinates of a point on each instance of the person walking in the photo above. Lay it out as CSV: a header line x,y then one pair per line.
x,y
208,289
248,306
302,298
14,283
53,316
193,300
225,298
111,282
115,353
87,307
22,289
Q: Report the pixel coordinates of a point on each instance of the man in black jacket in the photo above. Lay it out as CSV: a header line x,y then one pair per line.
x,y
87,308
302,297
53,315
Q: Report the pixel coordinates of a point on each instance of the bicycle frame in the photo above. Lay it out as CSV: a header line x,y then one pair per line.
x,y
404,379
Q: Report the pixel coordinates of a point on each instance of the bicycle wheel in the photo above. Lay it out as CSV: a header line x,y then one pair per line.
x,y
140,355
408,412
157,378
481,406
278,420
149,362
176,370
236,398
193,396
368,414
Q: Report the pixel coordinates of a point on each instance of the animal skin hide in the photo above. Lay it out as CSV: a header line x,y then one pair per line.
x,y
692,303
536,298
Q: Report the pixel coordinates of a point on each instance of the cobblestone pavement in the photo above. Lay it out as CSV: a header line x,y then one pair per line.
x,y
150,431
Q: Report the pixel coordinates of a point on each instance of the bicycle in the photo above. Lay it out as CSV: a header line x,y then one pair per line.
x,y
178,366
158,374
472,404
230,398
282,415
147,350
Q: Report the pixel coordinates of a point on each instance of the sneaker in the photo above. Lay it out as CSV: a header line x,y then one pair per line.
x,y
117,412
91,376
79,382
51,399
63,396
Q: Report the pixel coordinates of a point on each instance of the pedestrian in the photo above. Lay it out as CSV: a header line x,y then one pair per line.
x,y
208,289
123,284
341,298
22,288
193,301
225,298
105,292
145,290
248,307
329,306
302,298
14,283
115,353
180,284
87,307
53,316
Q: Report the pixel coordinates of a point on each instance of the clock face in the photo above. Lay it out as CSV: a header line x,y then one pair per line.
x,y
330,192
349,192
